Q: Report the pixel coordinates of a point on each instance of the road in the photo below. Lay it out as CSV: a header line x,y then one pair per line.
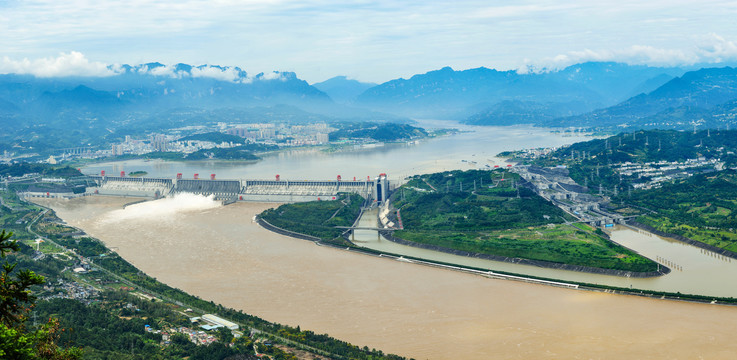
x,y
29,228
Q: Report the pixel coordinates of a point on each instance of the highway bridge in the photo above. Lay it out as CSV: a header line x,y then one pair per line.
x,y
231,190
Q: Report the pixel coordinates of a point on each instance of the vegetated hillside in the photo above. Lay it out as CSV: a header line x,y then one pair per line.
x,y
474,199
701,208
317,218
589,162
652,145
20,169
446,92
705,88
378,132
341,89
722,116
488,212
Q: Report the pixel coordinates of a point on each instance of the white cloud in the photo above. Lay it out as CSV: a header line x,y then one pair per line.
x,y
717,48
373,40
273,75
711,49
66,64
226,74
161,71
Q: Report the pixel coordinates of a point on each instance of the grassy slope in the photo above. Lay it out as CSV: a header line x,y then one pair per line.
x,y
496,221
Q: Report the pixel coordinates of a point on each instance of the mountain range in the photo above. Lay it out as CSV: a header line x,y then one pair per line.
x,y
702,97
343,90
447,93
70,111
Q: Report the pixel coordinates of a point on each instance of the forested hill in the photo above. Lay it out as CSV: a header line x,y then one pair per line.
x,y
649,146
701,208
20,169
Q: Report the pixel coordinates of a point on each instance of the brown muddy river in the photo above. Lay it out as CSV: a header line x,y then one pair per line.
x,y
218,254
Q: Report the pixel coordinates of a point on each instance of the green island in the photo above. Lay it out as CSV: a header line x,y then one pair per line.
x,y
378,132
491,212
138,173
240,153
317,218
102,307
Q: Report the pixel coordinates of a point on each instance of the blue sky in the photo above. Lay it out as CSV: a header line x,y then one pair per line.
x,y
365,40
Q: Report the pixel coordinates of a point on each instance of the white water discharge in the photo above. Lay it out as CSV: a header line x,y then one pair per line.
x,y
163,209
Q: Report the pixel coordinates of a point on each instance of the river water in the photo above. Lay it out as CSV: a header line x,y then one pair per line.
x,y
217,253
479,144
693,270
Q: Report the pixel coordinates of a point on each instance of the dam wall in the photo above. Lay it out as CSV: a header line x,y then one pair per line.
x,y
282,191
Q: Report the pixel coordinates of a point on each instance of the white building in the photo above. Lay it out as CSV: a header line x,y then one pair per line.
x,y
220,321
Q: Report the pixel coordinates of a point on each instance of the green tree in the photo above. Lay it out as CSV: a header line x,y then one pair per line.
x,y
16,300
224,335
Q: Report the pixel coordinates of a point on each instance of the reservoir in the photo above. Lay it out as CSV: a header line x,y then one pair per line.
x,y
217,253
478,144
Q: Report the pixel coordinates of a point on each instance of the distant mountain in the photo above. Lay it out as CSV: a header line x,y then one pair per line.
x,y
616,82
459,94
7,107
341,89
206,86
81,96
514,112
652,84
43,114
692,94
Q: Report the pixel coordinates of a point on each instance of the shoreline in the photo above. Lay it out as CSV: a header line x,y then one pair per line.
x,y
683,239
539,263
503,275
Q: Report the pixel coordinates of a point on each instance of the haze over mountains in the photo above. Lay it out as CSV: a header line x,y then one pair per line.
x,y
459,94
150,97
702,97
343,90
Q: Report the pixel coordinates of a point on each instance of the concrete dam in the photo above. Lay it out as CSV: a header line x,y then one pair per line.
x,y
228,191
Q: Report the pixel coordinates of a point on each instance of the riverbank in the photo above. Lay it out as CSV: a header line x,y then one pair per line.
x,y
662,295
111,270
424,312
683,239
663,270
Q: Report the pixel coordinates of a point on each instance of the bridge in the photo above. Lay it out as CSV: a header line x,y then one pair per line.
x,y
375,228
231,190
